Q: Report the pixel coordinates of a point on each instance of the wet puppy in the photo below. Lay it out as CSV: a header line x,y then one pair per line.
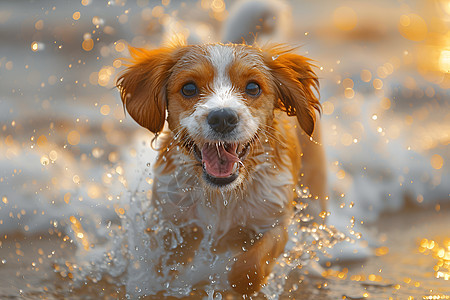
x,y
239,120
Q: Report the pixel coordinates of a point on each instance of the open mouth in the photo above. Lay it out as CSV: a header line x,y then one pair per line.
x,y
221,161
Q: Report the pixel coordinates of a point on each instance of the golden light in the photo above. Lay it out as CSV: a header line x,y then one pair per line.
x,y
105,110
218,6
345,18
39,25
117,63
104,75
413,27
88,44
441,252
157,11
377,84
73,137
97,152
79,231
76,15
120,46
366,75
349,93
340,174
113,157
120,210
437,161
9,65
36,46
444,61
348,83
385,103
94,191
45,160
67,197
53,155
76,179
381,251
327,107
446,6
346,140
41,141
123,18
97,21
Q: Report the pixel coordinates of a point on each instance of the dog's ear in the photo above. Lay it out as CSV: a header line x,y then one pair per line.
x,y
143,86
296,85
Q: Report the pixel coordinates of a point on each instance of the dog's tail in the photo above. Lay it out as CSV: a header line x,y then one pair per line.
x,y
257,21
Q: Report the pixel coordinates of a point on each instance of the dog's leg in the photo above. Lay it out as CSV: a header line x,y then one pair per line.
x,y
252,267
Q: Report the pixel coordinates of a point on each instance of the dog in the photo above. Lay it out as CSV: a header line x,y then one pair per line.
x,y
240,120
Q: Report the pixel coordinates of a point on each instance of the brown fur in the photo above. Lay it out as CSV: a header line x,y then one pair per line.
x,y
152,84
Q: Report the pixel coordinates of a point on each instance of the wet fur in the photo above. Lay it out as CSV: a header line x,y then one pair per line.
x,y
254,212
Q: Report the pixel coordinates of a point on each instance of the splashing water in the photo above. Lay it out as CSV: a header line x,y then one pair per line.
x,y
137,253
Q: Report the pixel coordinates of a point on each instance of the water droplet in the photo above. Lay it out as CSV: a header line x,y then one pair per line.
x,y
45,160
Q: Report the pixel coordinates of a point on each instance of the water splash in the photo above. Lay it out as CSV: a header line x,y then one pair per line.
x,y
136,254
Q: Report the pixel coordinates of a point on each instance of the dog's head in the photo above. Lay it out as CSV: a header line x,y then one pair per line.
x,y
218,99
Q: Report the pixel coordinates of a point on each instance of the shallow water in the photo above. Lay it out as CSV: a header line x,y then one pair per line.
x,y
399,269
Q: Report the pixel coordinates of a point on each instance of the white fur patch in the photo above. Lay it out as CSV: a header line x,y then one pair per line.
x,y
223,95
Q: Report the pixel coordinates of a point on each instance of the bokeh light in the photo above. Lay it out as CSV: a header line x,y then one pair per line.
x,y
413,27
71,157
345,18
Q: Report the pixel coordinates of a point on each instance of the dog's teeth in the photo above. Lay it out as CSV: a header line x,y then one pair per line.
x,y
235,166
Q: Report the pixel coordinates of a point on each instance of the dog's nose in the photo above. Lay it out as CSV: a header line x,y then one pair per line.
x,y
223,120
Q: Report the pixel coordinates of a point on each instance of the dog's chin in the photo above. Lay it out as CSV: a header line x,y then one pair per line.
x,y
222,184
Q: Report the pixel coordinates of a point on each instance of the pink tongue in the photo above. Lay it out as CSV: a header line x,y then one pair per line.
x,y
219,161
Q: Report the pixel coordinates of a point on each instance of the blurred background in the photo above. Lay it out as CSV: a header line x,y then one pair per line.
x,y
384,69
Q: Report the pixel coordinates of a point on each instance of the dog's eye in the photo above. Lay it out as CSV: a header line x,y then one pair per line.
x,y
189,90
253,89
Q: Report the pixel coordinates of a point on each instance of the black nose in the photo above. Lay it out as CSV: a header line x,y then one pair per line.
x,y
223,120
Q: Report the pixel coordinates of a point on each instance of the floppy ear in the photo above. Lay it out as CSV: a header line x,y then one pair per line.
x,y
295,85
143,84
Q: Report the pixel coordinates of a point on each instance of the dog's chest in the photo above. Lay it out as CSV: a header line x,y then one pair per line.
x,y
263,203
